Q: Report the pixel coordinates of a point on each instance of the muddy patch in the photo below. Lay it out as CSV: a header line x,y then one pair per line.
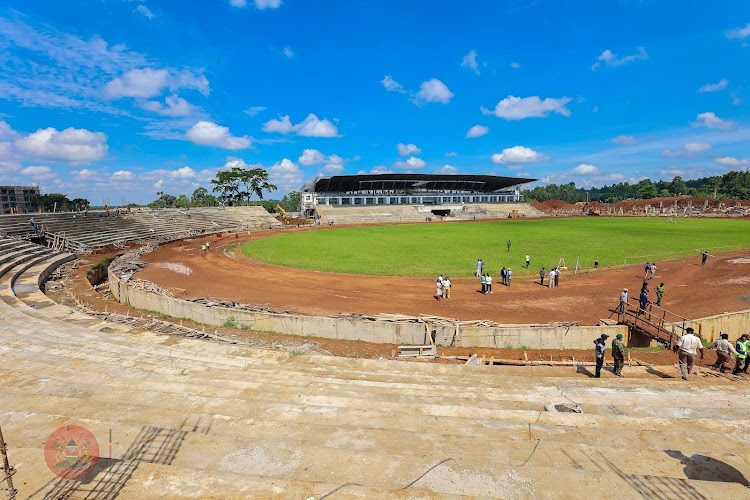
x,y
740,260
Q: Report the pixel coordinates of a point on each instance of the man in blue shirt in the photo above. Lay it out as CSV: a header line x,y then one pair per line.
x,y
599,349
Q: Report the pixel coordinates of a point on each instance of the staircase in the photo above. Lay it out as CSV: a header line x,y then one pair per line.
x,y
654,321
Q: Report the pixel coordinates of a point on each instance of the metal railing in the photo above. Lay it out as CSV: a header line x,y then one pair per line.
x,y
654,321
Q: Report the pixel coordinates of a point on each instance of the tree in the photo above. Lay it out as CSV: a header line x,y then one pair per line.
x,y
80,203
290,201
199,196
52,201
182,201
239,185
665,193
678,186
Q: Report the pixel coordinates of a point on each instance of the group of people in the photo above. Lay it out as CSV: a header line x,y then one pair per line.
x,y
443,288
687,348
205,247
650,271
554,277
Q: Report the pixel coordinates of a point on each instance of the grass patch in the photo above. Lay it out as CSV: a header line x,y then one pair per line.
x,y
231,322
453,249
98,271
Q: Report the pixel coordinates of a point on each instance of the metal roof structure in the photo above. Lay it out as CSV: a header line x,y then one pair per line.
x,y
413,182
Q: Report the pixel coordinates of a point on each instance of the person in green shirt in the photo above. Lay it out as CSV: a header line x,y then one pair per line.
x,y
659,293
619,352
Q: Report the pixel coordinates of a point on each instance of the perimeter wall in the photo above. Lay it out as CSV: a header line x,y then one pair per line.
x,y
513,336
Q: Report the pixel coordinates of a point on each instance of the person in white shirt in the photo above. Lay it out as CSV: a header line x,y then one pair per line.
x,y
488,281
552,278
687,348
447,287
724,351
439,288
623,300
509,275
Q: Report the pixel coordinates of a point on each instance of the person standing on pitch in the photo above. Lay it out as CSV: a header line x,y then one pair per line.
x,y
619,352
687,348
483,280
704,256
510,276
528,260
447,287
653,270
480,265
552,278
508,244
659,293
541,276
439,288
647,268
724,351
504,276
741,348
599,348
557,277
488,280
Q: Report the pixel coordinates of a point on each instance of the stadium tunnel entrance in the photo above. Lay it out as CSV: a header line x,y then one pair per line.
x,y
442,212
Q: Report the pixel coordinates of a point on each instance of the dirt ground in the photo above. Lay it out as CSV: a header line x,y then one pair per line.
x,y
80,286
691,290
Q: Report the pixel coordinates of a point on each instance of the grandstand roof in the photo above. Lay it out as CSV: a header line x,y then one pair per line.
x,y
407,182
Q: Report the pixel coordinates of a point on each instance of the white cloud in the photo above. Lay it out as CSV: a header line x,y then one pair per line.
x,y
517,108
518,155
611,59
477,131
71,145
311,126
38,172
288,53
238,3
123,175
470,61
728,161
254,110
451,153
515,65
311,157
710,120
267,4
697,147
585,169
210,134
626,139
175,106
412,163
85,174
408,149
713,87
334,165
380,169
145,11
148,82
286,174
158,184
433,90
739,33
447,170
392,85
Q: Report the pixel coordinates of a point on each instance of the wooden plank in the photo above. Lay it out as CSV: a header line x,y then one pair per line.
x,y
472,360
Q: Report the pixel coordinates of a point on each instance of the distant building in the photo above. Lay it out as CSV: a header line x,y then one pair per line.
x,y
18,199
411,189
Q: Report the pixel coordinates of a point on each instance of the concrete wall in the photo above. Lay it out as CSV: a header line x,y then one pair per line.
x,y
578,337
735,324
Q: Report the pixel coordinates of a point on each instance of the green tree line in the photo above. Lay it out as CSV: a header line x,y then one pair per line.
x,y
735,185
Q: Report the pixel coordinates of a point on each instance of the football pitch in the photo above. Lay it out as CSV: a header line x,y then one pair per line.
x,y
429,249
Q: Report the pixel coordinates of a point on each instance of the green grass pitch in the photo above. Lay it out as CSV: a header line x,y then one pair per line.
x,y
430,249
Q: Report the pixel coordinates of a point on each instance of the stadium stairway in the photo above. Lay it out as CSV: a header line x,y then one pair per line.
x,y
189,418
96,231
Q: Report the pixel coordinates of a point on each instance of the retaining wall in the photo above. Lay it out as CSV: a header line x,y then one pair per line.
x,y
575,337
735,324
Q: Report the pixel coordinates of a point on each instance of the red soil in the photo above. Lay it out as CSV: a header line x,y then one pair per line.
x,y
692,291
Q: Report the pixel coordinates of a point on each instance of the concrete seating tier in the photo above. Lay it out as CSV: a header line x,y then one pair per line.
x,y
194,419
395,213
95,231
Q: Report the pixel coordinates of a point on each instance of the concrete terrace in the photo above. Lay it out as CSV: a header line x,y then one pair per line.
x,y
196,419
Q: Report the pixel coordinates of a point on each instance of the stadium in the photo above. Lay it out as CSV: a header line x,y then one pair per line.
x,y
307,356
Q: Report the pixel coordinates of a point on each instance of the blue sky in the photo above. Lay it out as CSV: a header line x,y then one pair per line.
x,y
119,99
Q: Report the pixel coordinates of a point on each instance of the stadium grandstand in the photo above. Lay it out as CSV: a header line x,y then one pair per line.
x,y
382,197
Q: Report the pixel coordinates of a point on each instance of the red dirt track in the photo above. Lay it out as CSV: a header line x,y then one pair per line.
x,y
692,291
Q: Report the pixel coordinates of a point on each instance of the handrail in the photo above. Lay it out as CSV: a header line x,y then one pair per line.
x,y
665,330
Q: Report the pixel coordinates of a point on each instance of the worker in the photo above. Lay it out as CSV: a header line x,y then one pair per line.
x,y
623,300
541,276
619,352
528,260
704,256
687,348
659,293
447,287
741,348
480,265
203,249
508,245
483,280
724,350
599,348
